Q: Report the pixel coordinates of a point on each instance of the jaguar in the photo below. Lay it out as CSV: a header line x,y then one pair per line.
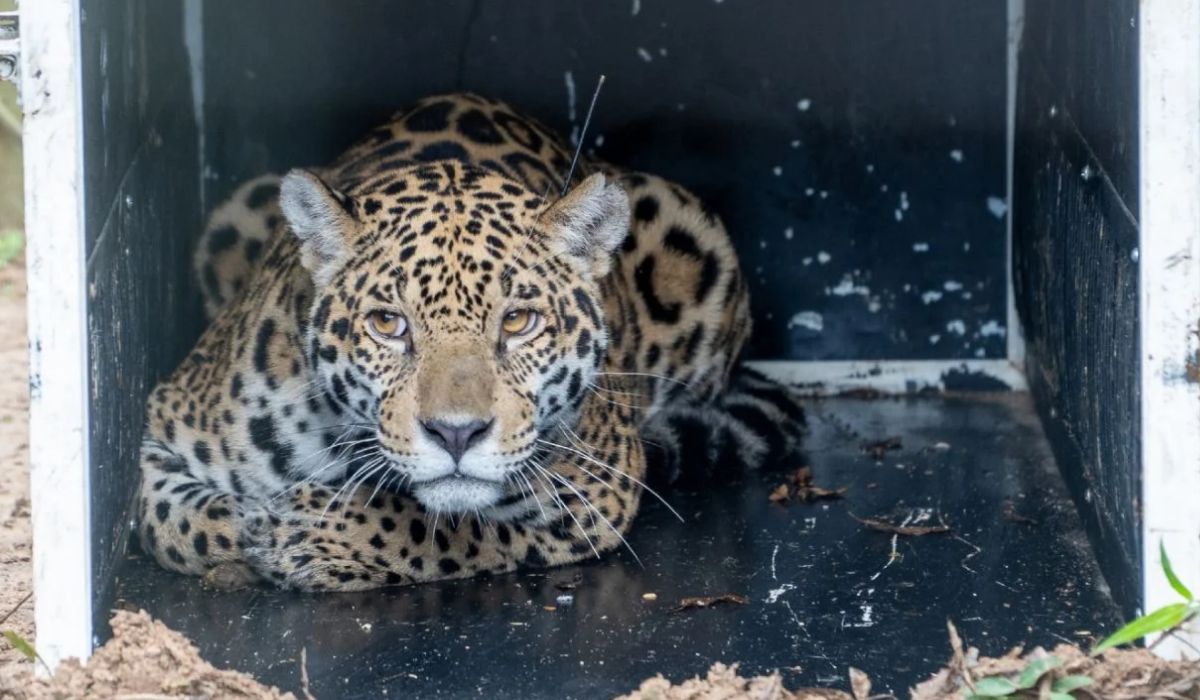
x,y
434,357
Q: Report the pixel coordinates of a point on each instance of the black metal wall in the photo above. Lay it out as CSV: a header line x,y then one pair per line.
x,y
141,213
856,149
1075,239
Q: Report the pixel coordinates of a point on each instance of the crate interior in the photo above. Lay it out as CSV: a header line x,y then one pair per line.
x,y
859,154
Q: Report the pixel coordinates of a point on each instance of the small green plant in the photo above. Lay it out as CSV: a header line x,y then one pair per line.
x,y
1166,619
11,245
1026,684
18,642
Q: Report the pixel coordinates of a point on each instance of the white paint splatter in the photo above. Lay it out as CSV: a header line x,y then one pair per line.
x,y
777,171
956,155
804,105
795,143
899,215
823,257
957,327
883,188
992,328
599,140
774,594
952,286
931,296
811,320
847,287
637,7
966,247
824,194
870,167
569,80
979,352
920,247
645,55
867,619
904,201
807,261
997,206
762,245
808,191
934,339
788,233
662,51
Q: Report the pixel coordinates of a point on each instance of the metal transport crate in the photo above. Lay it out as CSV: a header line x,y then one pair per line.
x,y
975,226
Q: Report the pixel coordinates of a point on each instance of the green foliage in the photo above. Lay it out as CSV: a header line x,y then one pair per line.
x,y
1166,619
11,245
1181,589
1025,684
22,645
1066,684
1035,670
18,642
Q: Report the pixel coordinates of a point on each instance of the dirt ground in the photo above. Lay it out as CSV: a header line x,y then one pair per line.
x,y
15,544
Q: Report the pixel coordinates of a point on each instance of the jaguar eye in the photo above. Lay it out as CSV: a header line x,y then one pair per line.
x,y
519,322
386,324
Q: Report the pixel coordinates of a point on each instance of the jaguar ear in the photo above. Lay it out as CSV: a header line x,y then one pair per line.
x,y
589,223
322,218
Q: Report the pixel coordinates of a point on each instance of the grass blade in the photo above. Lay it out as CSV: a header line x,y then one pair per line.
x,y
1160,620
18,642
1170,572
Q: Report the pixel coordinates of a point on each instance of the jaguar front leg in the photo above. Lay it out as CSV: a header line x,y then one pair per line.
x,y
188,523
577,505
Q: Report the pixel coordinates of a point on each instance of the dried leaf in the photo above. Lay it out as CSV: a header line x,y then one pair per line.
x,y
816,493
860,684
1011,515
906,530
709,601
879,448
800,486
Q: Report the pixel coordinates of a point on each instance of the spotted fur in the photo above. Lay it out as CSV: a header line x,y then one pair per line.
x,y
298,445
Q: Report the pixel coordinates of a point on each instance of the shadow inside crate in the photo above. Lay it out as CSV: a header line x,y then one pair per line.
x,y
823,592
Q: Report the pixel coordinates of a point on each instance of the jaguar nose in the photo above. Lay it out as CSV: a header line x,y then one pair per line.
x,y
456,437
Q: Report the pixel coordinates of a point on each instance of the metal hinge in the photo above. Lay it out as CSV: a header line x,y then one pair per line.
x,y
10,46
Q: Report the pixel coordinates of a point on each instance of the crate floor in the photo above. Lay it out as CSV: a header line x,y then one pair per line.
x,y
823,591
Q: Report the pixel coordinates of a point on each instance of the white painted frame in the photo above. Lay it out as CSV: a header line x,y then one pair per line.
x,y
1169,205
55,257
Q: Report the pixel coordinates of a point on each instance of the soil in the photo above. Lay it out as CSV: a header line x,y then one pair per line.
x,y
16,567
143,660
1116,675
